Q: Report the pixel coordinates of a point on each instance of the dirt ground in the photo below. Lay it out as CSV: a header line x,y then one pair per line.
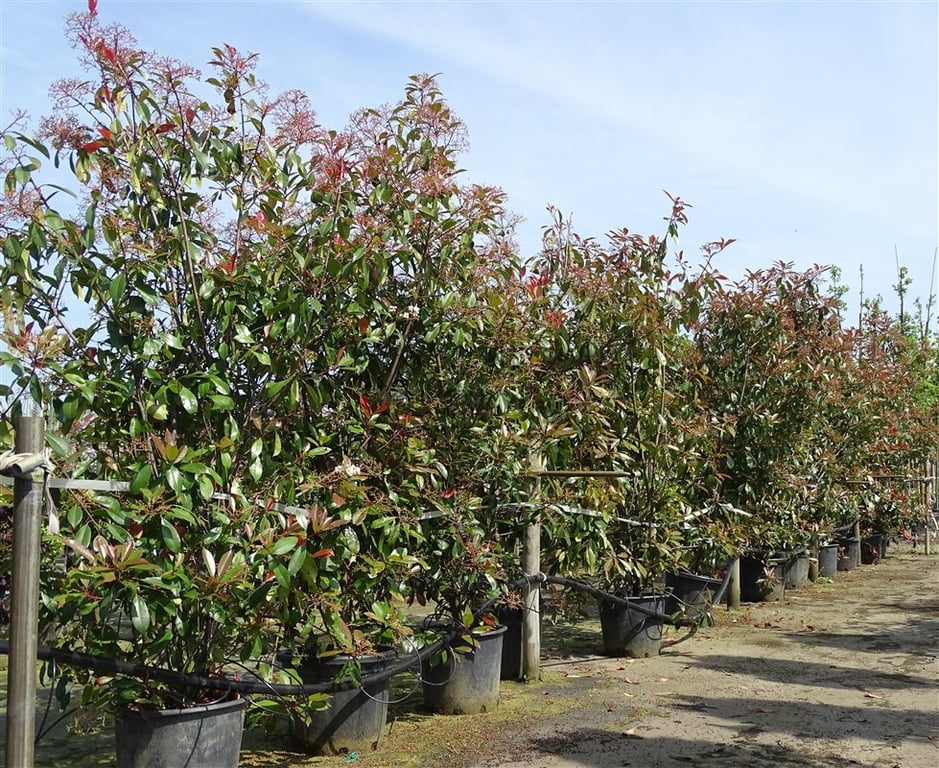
x,y
841,673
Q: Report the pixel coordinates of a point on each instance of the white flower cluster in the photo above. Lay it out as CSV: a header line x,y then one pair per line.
x,y
347,468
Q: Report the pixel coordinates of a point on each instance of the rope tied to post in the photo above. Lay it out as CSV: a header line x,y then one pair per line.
x,y
23,466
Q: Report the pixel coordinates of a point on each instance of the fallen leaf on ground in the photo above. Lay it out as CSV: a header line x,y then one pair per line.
x,y
630,681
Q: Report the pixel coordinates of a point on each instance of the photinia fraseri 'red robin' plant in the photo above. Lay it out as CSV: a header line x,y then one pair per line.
x,y
882,427
254,296
770,344
607,390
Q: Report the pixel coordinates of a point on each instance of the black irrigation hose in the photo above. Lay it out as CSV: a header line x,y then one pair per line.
x,y
107,666
719,595
845,530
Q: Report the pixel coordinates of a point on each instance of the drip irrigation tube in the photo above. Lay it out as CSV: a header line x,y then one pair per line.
x,y
107,666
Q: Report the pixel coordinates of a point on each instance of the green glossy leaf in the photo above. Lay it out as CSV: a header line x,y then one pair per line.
x,y
188,399
170,536
222,402
284,545
139,615
141,479
296,561
58,444
74,516
117,287
174,479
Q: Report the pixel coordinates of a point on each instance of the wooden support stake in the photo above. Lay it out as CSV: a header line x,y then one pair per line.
x,y
733,588
930,496
531,566
813,562
24,603
857,535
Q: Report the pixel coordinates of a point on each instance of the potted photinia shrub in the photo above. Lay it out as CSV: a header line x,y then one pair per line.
x,y
463,570
246,332
627,307
767,406
711,540
167,584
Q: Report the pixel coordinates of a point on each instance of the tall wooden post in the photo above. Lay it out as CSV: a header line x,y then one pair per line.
x,y
24,602
733,587
813,562
930,496
857,535
531,566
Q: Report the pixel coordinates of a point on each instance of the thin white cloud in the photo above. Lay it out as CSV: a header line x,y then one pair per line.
x,y
795,139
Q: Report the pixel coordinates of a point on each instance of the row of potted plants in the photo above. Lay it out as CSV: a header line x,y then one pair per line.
x,y
323,368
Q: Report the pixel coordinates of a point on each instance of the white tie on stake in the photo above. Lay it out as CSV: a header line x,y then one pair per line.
x,y
23,465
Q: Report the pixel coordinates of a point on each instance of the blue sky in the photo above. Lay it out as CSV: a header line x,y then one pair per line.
x,y
808,131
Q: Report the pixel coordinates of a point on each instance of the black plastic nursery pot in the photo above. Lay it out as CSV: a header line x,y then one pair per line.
x,y
762,578
689,593
828,560
848,553
630,632
872,549
797,569
466,683
512,642
355,720
207,736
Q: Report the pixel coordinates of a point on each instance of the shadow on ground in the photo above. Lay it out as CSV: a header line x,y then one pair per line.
x,y
739,723
810,673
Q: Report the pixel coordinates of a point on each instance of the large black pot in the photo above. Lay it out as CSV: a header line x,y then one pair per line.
x,y
512,643
207,736
630,632
848,553
466,683
797,569
872,549
355,719
689,593
762,578
828,560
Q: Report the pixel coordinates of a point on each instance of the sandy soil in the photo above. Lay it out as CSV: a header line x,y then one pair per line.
x,y
839,674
